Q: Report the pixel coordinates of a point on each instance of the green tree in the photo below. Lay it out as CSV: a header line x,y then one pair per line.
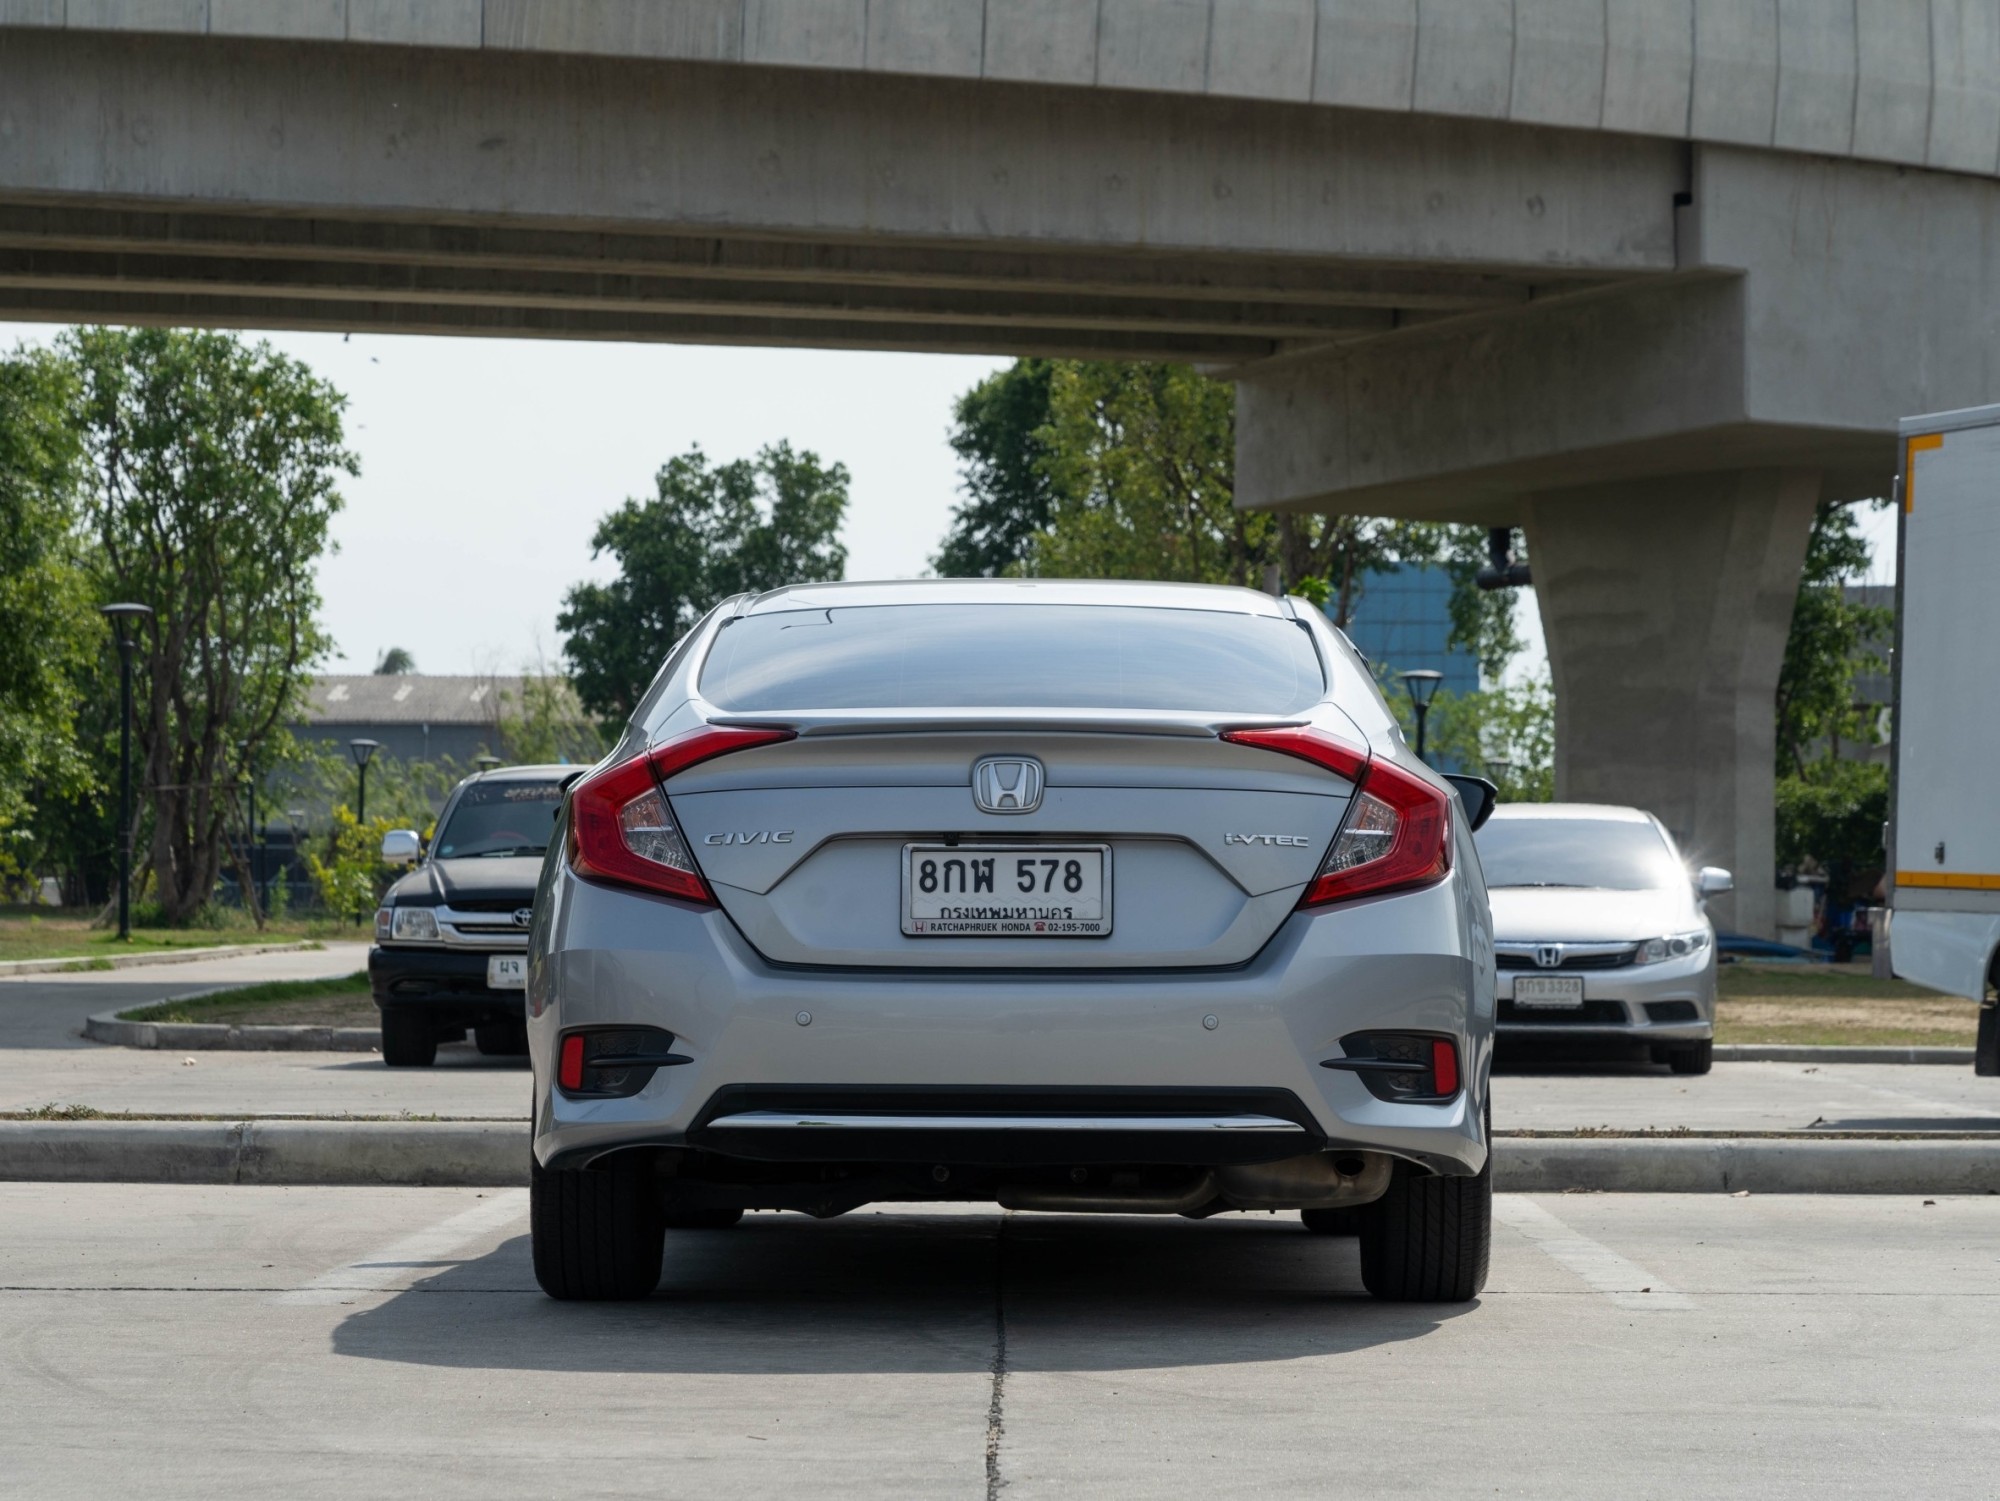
x,y
1505,733
545,722
211,479
395,662
997,431
1830,643
1117,470
708,531
50,633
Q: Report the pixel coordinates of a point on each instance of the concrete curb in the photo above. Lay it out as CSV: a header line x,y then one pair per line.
x,y
1791,1165
98,963
195,1037
1775,1052
330,1153
494,1154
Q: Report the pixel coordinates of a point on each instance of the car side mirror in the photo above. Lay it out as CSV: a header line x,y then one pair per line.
x,y
402,847
1714,881
1478,795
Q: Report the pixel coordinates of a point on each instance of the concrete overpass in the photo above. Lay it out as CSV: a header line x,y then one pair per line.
x,y
1648,277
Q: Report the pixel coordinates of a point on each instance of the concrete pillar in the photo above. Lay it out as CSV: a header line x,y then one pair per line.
x,y
1666,603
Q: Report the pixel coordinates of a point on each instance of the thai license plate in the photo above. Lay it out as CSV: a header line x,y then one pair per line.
x,y
1548,992
1007,891
506,971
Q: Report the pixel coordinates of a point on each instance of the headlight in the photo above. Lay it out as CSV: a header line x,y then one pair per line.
x,y
1674,946
416,925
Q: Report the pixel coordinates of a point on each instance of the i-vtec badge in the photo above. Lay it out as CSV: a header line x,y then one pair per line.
x,y
1282,841
759,836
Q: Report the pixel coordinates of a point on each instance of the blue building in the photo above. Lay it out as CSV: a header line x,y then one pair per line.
x,y
1402,620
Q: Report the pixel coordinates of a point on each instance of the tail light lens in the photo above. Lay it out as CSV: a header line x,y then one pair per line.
x,y
621,828
1397,832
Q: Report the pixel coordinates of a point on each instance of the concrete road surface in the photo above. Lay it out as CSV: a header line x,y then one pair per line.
x,y
243,1342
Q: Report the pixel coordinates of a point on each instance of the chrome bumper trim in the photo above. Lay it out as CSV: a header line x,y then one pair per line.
x,y
851,1120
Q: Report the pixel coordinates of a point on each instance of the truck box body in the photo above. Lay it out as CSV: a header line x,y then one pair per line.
x,y
1945,794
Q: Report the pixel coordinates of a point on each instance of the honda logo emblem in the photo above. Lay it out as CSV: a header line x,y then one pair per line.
x,y
1007,784
1549,955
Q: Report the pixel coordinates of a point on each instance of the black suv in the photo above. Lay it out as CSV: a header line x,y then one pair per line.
x,y
451,937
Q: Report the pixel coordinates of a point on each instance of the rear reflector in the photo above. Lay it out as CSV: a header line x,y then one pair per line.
x,y
1397,832
621,828
1444,1065
569,1071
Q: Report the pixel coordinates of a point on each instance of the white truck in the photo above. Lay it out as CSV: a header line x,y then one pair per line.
x,y
1944,796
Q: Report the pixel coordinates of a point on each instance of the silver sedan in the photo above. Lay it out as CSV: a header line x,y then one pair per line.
x,y
1114,898
1600,930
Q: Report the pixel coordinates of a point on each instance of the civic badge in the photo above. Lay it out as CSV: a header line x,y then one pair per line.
x,y
1007,784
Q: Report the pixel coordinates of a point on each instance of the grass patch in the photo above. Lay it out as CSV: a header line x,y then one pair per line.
x,y
45,933
343,1001
1820,1005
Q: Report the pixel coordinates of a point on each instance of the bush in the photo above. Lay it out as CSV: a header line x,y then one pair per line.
x,y
353,876
1834,820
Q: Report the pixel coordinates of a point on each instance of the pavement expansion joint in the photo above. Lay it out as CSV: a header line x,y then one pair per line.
x,y
996,1424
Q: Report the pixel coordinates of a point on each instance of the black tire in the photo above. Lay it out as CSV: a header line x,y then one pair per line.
x,y
598,1232
1428,1239
501,1039
1693,1058
1341,1221
408,1039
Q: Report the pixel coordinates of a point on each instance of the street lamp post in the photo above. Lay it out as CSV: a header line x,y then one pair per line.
x,y
487,762
250,793
1422,683
363,752
123,617
1499,768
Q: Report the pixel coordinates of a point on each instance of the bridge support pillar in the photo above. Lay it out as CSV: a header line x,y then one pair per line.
x,y
1666,603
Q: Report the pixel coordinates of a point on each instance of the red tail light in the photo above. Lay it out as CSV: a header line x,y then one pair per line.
x,y
1397,832
621,829
569,1065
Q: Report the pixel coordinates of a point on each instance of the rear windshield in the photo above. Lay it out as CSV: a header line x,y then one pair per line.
x,y
1013,656
496,819
1608,854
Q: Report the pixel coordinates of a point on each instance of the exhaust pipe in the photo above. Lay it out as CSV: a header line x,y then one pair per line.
x,y
1319,1180
1056,1199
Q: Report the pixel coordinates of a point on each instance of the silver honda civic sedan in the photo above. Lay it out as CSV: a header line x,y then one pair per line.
x,y
1077,897
1600,930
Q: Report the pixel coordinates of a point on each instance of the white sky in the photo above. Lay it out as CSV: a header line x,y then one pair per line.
x,y
486,463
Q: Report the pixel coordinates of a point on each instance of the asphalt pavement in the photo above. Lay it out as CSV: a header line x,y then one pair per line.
x,y
245,1342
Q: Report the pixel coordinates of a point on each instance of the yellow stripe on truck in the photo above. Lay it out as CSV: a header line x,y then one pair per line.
x,y
1949,880
1922,443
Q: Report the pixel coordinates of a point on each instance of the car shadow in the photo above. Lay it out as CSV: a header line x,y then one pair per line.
x,y
450,1055
781,1294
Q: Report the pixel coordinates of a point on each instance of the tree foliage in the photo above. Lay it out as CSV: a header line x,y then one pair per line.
x,y
1506,734
1830,643
50,633
1833,819
708,531
210,485
395,662
997,431
1105,470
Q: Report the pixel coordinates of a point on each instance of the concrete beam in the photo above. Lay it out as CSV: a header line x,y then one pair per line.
x,y
443,136
181,309
1666,604
1309,284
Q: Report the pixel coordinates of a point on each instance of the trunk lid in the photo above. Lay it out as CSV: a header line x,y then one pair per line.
x,y
1209,844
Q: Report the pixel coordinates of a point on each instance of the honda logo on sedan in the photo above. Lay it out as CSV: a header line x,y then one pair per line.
x,y
1007,784
1549,955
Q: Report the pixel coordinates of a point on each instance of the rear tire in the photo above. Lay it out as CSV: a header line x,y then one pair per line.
x,y
501,1039
408,1039
1695,1058
1341,1221
1428,1239
598,1232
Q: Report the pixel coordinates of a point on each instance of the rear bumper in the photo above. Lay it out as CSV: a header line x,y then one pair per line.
x,y
990,1067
